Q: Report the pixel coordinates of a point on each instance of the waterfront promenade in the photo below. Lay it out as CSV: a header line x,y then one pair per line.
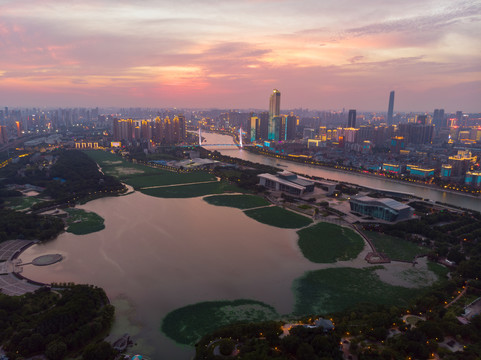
x,y
11,283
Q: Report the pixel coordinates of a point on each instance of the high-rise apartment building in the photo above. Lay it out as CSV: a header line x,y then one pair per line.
x,y
264,125
255,127
3,134
390,110
438,119
351,120
291,124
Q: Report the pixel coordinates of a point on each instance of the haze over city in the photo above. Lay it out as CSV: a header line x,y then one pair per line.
x,y
322,55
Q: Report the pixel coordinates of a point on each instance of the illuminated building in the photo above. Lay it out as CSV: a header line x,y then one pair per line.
x,y
385,209
461,162
274,111
391,168
446,170
255,128
390,109
397,144
473,178
313,143
351,120
86,145
420,172
350,135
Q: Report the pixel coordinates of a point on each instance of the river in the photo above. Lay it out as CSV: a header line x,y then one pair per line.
x,y
156,255
425,192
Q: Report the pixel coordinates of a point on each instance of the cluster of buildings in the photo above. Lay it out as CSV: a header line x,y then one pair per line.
x,y
272,125
158,130
380,208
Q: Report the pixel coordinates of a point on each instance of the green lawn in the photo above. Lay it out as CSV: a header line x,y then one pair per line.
x,y
140,176
276,216
81,222
237,201
188,324
441,271
21,202
328,243
395,248
168,178
336,289
188,191
115,165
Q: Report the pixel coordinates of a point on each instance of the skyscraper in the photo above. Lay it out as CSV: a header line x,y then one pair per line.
x,y
391,108
291,123
351,120
438,119
274,111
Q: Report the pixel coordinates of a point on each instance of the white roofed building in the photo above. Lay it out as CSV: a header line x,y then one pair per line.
x,y
385,208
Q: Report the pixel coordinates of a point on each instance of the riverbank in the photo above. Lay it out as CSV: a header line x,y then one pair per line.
x,y
409,181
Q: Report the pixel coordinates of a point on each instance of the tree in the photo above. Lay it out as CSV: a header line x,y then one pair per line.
x,y
56,350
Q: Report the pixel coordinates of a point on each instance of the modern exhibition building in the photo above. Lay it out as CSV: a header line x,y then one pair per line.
x,y
384,209
288,182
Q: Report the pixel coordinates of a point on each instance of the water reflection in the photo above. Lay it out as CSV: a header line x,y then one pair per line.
x,y
162,254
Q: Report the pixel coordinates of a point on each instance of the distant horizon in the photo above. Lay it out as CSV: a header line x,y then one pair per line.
x,y
283,111
205,53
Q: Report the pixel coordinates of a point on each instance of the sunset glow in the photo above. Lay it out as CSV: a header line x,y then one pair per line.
x,y
321,54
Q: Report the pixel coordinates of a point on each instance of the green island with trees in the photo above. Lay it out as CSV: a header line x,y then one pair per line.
x,y
328,243
70,322
186,325
81,222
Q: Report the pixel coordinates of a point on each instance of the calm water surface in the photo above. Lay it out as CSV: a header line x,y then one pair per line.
x,y
156,255
434,194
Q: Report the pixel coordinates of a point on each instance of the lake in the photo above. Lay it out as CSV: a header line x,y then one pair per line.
x,y
156,255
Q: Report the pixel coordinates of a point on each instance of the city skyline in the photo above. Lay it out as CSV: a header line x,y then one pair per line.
x,y
204,54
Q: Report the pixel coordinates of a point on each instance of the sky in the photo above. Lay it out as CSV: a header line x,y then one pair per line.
x,y
320,54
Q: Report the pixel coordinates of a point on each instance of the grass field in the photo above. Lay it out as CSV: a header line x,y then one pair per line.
x,y
114,165
188,324
237,201
395,248
167,178
328,243
81,222
332,290
21,202
441,271
276,216
187,191
141,176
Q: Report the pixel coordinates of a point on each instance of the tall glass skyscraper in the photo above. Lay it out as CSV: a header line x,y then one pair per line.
x,y
274,111
390,109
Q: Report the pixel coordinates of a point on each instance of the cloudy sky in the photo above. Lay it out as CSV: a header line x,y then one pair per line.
x,y
321,54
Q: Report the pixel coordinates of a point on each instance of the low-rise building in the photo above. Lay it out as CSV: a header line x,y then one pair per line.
x,y
287,182
384,208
